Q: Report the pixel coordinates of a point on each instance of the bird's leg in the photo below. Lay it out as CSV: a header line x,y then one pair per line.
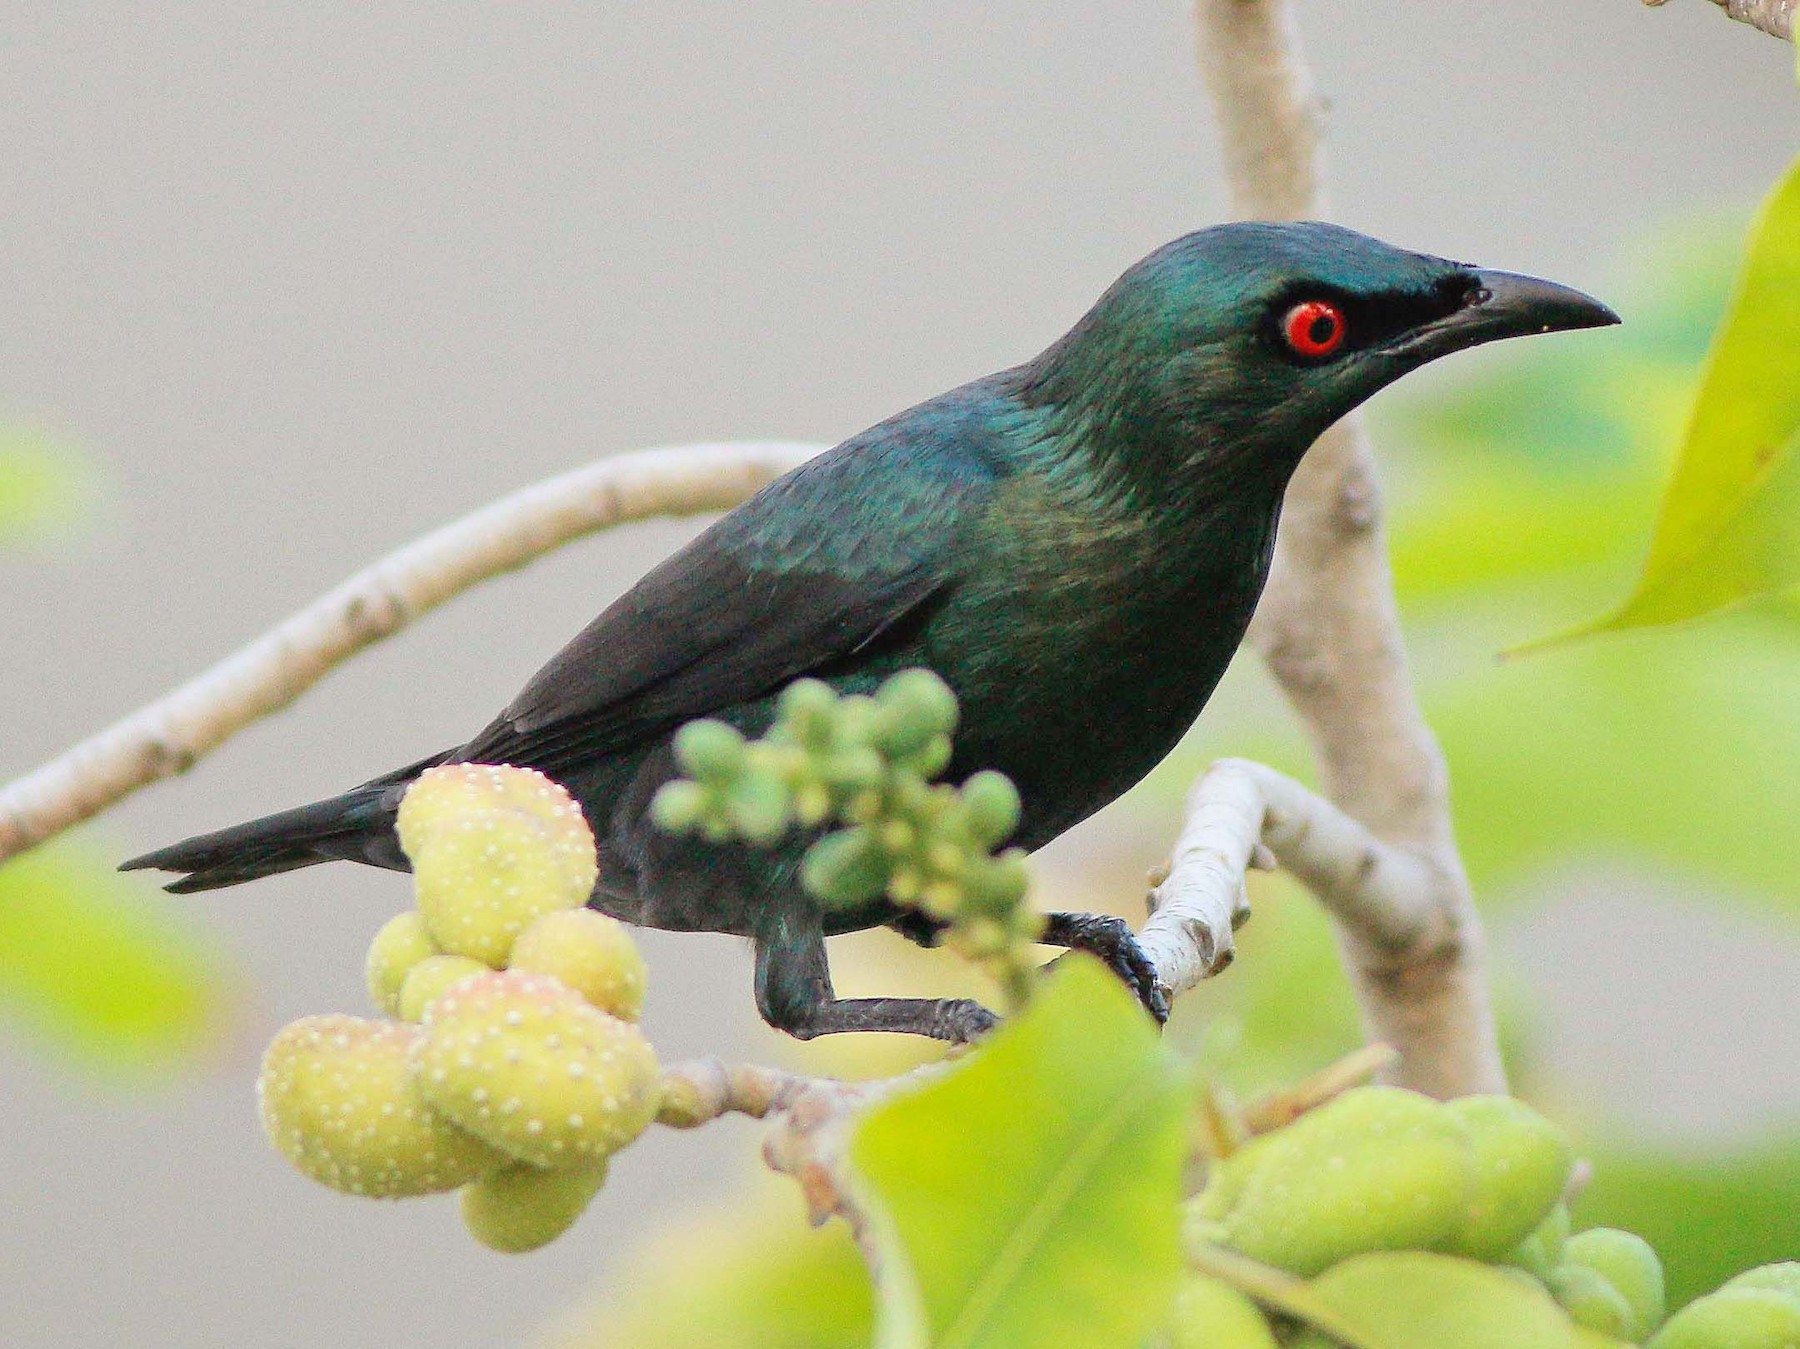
x,y
794,994
1112,940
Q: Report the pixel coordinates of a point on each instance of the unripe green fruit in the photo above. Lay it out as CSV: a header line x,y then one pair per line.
x,y
492,848
336,1102
402,943
680,806
710,751
991,804
591,953
1783,1277
1591,1300
807,706
855,768
519,1208
846,868
1627,1262
1733,1318
1375,1169
1211,1314
522,1062
1522,1164
929,759
427,981
913,707
756,805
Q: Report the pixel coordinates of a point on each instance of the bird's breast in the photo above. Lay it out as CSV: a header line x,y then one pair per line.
x,y
1083,649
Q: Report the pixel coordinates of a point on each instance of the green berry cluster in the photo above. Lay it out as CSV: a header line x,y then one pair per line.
x,y
514,1069
866,763
1379,1169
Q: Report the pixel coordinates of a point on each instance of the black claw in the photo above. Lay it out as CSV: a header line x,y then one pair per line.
x,y
1111,940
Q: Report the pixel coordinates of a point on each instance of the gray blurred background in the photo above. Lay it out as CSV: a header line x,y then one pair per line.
x,y
305,280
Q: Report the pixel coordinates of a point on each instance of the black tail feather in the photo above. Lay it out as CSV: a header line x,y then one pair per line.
x,y
357,826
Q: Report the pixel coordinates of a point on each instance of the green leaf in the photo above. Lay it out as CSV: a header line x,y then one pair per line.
x,y
101,971
1730,522
1029,1198
1415,1300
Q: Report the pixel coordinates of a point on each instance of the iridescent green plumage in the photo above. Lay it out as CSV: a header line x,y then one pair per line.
x,y
1075,545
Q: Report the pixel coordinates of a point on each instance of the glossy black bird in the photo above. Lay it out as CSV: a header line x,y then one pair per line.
x,y
1075,544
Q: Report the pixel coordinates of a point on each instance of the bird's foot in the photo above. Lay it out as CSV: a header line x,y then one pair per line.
x,y
1111,940
955,1020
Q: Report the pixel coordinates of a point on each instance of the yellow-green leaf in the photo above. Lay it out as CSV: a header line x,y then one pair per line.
x,y
100,969
1730,521
1028,1199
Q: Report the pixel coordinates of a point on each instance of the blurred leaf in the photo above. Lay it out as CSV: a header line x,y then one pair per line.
x,y
751,1277
1708,1217
1028,1198
1684,750
43,492
100,970
1414,1300
1730,523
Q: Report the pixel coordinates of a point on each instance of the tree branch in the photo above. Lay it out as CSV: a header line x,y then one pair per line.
x,y
1328,627
1774,17
170,735
1385,896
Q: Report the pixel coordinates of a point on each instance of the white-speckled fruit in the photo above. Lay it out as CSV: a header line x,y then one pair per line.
x,y
402,943
337,1103
523,1062
520,1208
427,981
493,848
591,953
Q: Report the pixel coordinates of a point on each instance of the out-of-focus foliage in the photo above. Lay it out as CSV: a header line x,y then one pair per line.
x,y
1708,1216
752,1277
1730,523
91,965
99,975
1041,1176
44,494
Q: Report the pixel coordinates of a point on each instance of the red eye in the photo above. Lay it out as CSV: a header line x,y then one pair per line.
x,y
1313,328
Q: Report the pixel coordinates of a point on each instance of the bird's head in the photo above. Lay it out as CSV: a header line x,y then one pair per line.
x,y
1233,347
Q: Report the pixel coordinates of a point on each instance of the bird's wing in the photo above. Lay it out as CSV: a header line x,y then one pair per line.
x,y
811,570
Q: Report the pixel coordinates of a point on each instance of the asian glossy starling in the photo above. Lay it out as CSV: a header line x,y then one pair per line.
x,y
1075,545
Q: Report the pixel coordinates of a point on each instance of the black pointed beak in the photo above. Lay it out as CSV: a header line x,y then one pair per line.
x,y
1500,305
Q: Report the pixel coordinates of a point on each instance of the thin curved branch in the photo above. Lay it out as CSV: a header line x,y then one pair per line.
x,y
1327,626
1774,17
173,733
1385,895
